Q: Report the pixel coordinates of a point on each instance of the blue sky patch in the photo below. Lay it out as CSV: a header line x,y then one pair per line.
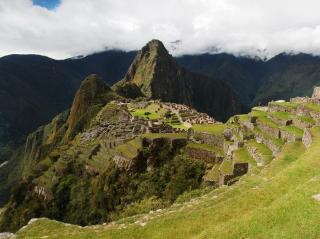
x,y
49,4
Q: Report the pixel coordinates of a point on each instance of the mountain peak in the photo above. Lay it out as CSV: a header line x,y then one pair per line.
x,y
92,94
151,59
155,46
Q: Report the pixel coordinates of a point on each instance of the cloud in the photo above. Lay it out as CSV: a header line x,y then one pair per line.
x,y
253,27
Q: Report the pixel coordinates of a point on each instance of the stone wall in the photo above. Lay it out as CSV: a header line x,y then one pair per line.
x,y
307,138
301,124
269,143
201,154
214,140
239,169
280,121
276,108
304,111
289,137
274,132
316,92
255,155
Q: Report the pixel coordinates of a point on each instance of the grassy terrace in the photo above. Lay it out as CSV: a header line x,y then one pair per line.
x,y
243,118
293,129
306,119
265,120
258,113
276,203
152,111
130,148
216,129
262,149
284,104
311,106
226,167
207,147
242,156
278,142
281,115
214,173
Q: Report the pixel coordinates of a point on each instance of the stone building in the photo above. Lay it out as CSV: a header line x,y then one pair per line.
x,y
316,92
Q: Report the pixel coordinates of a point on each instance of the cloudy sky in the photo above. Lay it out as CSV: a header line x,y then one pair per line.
x,y
79,27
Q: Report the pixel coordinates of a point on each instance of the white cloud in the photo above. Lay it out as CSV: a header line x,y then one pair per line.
x,y
86,26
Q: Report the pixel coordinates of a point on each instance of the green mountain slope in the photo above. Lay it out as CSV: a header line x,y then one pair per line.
x,y
278,200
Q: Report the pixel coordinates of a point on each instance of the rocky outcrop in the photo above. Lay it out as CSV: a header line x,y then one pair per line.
x,y
44,193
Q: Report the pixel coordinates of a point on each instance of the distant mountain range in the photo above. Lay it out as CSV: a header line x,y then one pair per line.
x,y
35,88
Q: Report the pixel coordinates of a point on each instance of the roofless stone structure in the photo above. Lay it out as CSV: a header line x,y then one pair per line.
x,y
316,92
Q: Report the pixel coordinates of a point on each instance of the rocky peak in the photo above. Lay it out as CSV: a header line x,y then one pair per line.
x,y
156,73
155,47
142,71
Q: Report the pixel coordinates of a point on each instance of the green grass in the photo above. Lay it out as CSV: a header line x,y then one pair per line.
x,y
144,113
226,167
285,104
311,106
262,149
216,129
214,173
152,111
281,115
129,149
306,119
243,118
277,203
276,141
258,113
293,129
242,156
207,147
268,122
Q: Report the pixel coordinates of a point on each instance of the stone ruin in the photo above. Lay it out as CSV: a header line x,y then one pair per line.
x,y
315,98
316,92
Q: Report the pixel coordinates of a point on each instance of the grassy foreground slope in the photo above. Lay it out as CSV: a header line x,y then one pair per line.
x,y
275,203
